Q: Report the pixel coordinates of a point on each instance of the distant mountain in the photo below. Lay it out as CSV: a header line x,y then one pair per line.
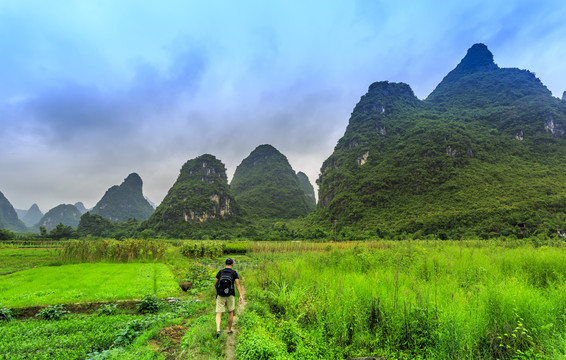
x,y
8,216
266,186
32,216
65,213
308,189
483,155
124,202
200,196
81,207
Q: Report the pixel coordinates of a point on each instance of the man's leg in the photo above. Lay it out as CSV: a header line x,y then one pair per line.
x,y
230,320
218,319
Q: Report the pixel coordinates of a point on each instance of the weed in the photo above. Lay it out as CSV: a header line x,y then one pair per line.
x,y
5,314
149,304
54,312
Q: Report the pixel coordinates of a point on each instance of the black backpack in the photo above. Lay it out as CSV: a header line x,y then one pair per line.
x,y
225,285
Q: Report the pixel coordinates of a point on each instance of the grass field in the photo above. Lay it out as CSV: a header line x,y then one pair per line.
x,y
17,259
85,283
395,299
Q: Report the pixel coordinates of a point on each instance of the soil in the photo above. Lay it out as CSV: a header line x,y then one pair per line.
x,y
82,308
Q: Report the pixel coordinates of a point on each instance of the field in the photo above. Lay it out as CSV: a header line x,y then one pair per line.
x,y
393,299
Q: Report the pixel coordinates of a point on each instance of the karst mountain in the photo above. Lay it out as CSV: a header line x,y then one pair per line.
x,y
483,155
266,186
124,202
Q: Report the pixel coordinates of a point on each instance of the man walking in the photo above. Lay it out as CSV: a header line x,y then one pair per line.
x,y
225,294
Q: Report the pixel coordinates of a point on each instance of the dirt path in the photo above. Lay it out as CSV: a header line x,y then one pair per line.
x,y
230,346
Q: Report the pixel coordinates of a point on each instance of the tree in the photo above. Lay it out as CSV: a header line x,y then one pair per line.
x,y
62,232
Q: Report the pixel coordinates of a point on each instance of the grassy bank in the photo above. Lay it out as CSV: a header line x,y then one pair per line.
x,y
408,300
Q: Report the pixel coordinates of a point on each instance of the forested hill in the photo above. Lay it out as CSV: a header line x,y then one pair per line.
x,y
124,202
267,187
482,155
8,216
200,200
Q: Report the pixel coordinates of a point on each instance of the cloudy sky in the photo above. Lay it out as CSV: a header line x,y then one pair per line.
x,y
91,91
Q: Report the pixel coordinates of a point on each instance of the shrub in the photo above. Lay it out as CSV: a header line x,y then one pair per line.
x,y
5,314
107,309
54,312
149,304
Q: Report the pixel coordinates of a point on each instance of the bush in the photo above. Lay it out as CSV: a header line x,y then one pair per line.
x,y
54,312
5,314
107,309
257,347
149,305
199,249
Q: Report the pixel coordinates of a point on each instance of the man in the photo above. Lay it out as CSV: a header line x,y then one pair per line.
x,y
225,294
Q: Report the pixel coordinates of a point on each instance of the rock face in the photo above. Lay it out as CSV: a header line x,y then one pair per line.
x,y
406,165
266,186
200,195
8,216
32,216
308,189
124,202
66,214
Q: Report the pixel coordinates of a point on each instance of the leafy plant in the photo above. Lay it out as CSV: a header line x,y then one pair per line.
x,y
53,312
5,314
149,304
107,309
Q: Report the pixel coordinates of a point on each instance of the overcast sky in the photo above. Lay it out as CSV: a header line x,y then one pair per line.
x,y
91,91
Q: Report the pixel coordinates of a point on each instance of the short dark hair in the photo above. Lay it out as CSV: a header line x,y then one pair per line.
x,y
229,261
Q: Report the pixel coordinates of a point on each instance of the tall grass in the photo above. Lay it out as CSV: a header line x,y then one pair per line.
x,y
441,300
79,251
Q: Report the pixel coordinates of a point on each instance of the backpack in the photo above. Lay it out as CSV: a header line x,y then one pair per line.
x,y
225,285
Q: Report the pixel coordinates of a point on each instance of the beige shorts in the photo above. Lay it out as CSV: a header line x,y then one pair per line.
x,y
225,303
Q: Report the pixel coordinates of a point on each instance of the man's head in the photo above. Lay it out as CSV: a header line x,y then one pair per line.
x,y
229,262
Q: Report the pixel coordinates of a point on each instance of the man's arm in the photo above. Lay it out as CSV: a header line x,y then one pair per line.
x,y
239,290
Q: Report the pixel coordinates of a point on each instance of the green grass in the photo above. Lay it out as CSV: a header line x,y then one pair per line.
x,y
438,300
86,283
16,259
70,338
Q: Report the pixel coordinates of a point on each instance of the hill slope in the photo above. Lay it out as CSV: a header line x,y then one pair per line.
x,y
66,214
32,216
200,197
124,202
266,186
8,216
482,155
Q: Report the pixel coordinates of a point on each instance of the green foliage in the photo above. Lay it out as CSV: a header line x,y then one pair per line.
x,y
199,204
266,186
409,300
107,309
482,156
235,247
149,304
199,249
65,214
112,250
62,232
68,338
5,314
6,234
54,312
